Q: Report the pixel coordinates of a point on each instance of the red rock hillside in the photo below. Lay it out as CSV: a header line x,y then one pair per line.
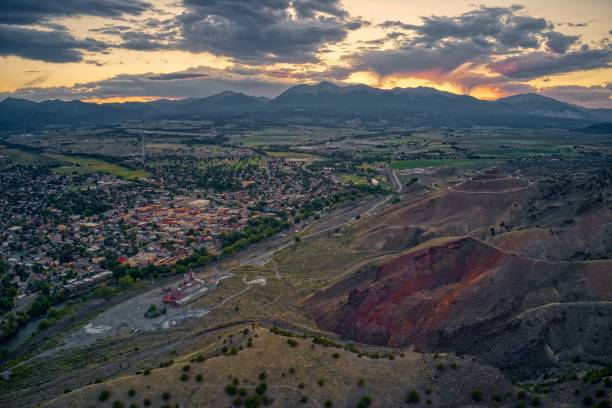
x,y
451,291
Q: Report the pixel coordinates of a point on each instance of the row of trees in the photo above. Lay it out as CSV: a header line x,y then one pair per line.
x,y
13,321
256,230
8,289
310,208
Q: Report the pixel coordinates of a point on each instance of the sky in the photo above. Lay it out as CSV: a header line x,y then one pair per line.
x,y
138,50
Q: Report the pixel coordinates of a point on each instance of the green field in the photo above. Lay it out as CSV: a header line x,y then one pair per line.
x,y
354,179
296,156
530,151
21,156
288,136
415,164
96,165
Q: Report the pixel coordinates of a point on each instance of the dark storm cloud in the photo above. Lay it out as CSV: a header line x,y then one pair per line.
x,y
442,44
50,46
485,21
484,25
264,31
510,43
537,64
34,11
522,31
417,59
20,22
560,43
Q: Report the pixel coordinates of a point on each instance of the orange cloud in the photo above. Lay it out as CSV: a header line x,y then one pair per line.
x,y
487,92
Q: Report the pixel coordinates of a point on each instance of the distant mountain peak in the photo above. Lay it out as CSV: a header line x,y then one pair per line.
x,y
540,105
422,91
11,101
326,84
324,87
529,96
311,88
225,93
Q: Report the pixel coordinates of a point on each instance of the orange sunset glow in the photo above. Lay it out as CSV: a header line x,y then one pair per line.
x,y
128,52
124,99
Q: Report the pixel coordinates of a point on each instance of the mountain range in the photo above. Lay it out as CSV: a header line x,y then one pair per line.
x,y
324,103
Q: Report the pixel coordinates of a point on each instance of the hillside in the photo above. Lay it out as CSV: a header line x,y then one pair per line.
x,y
458,210
605,127
462,294
321,103
496,266
552,220
297,372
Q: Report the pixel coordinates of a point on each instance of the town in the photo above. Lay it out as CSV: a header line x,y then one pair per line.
x,y
305,203
72,227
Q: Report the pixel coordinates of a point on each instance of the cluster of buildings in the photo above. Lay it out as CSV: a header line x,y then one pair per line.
x,y
64,230
285,185
53,227
68,230
170,229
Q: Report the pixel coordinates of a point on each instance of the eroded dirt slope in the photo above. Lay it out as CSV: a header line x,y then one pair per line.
x,y
464,294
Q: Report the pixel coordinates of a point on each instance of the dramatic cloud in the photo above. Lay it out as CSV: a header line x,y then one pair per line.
x,y
50,46
538,64
485,26
20,33
33,11
417,59
268,45
442,44
492,50
265,31
194,83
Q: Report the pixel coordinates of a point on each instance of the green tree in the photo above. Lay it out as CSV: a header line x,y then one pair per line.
x,y
413,397
43,324
126,281
104,395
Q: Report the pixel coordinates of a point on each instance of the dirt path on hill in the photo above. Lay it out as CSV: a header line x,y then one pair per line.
x,y
338,219
510,190
395,180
